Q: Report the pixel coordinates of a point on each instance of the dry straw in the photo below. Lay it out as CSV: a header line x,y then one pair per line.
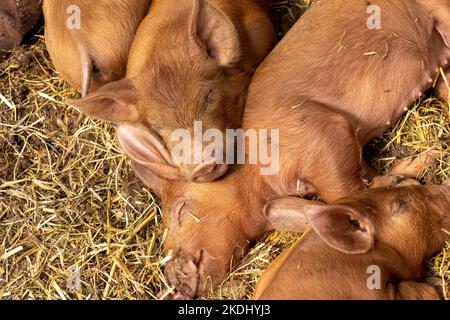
x,y
75,223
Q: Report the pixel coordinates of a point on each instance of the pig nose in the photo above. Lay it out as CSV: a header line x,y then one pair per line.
x,y
183,273
206,172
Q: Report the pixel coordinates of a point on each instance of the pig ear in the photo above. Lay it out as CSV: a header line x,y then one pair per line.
x,y
147,150
342,227
115,102
287,214
213,32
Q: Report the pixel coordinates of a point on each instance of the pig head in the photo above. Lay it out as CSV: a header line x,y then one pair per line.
x,y
190,65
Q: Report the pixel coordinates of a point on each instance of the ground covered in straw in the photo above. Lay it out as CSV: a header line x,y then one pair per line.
x,y
75,223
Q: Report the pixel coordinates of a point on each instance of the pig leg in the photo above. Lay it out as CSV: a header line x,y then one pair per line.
x,y
406,171
411,168
413,291
86,71
265,4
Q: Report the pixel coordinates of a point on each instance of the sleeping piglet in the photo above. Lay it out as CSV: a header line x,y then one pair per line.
x,y
328,88
89,41
189,67
371,245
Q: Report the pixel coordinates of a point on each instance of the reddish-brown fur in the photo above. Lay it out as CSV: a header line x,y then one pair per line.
x,y
17,18
190,61
406,225
98,52
328,98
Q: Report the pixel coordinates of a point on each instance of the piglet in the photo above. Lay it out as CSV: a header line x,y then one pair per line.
x,y
329,87
17,18
371,245
89,41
